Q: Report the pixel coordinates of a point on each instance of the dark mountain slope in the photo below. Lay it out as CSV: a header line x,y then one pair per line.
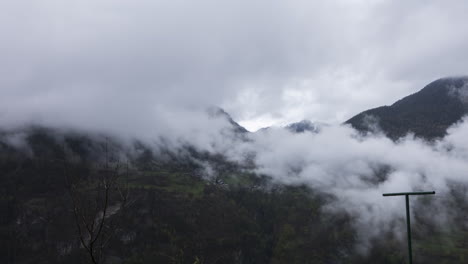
x,y
174,212
427,113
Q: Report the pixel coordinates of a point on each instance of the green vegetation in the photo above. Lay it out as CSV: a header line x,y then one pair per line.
x,y
446,247
176,213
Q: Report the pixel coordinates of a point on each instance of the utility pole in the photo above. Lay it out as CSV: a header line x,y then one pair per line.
x,y
408,220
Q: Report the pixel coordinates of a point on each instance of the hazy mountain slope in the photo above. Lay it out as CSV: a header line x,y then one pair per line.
x,y
303,126
297,127
220,113
177,213
427,113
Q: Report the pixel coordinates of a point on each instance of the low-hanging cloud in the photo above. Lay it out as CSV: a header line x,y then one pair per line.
x,y
356,170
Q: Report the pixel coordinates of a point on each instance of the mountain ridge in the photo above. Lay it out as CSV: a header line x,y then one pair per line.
x,y
427,113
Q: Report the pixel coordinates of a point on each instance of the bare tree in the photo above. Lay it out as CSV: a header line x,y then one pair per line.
x,y
98,201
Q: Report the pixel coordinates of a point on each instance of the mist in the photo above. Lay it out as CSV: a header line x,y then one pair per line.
x,y
358,170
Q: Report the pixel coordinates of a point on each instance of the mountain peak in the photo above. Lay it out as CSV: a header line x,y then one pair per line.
x,y
218,112
303,126
427,113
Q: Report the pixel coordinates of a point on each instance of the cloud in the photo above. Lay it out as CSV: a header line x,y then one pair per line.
x,y
357,170
274,61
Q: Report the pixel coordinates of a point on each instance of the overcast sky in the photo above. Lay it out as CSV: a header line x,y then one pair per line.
x,y
264,61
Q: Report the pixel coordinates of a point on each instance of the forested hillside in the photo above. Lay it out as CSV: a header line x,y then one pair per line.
x,y
163,208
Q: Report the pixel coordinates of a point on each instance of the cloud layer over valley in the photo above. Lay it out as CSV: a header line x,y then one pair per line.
x,y
358,170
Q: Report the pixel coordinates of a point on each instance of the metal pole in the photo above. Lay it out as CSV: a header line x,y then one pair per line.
x,y
408,224
408,218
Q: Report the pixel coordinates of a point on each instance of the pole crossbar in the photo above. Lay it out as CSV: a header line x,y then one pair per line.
x,y
408,218
408,193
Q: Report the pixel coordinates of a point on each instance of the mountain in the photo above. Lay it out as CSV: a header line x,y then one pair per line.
x,y
163,206
218,112
297,127
303,126
427,113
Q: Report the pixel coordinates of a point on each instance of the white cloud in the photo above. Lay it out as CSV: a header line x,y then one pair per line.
x,y
357,170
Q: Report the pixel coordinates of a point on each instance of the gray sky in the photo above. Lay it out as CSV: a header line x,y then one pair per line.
x,y
114,63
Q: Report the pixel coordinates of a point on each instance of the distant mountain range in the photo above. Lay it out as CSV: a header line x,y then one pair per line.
x,y
427,113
